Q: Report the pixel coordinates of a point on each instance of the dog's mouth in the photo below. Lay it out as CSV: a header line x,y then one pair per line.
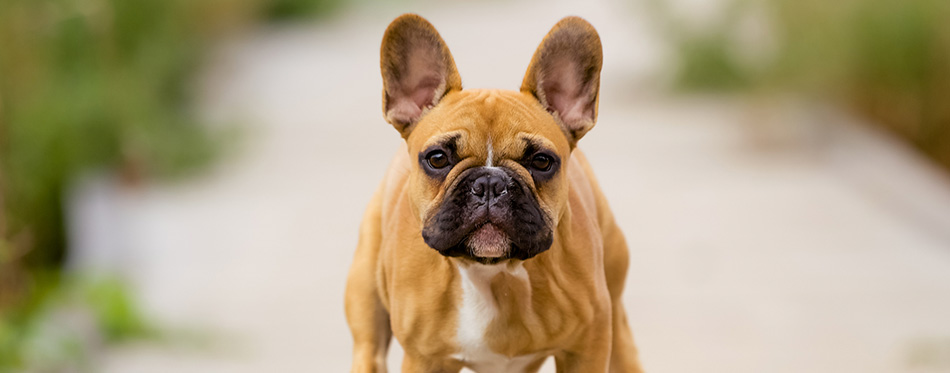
x,y
488,241
491,243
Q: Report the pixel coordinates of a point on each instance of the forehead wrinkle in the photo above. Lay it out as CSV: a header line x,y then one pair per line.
x,y
443,138
520,115
519,106
530,138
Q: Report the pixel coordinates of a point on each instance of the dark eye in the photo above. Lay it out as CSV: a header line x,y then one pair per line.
x,y
542,162
437,159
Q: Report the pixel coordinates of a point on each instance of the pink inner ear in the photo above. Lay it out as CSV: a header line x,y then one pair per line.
x,y
407,104
566,94
403,111
424,91
416,88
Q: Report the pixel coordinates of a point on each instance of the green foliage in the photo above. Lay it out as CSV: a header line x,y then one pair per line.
x,y
886,59
103,84
115,310
95,84
709,65
91,85
290,9
59,323
707,58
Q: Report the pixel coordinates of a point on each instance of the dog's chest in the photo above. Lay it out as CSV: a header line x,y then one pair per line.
x,y
476,312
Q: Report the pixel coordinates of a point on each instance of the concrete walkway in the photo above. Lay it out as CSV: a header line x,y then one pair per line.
x,y
766,236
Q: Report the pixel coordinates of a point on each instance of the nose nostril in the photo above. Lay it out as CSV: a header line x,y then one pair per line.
x,y
498,187
478,188
489,187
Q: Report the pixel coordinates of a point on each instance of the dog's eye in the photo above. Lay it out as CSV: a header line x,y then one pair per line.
x,y
437,159
541,162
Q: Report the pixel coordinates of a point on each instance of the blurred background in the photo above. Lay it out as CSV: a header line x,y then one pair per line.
x,y
181,181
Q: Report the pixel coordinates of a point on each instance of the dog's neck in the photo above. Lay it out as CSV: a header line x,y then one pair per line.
x,y
488,292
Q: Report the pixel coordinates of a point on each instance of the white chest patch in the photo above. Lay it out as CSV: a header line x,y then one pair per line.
x,y
478,309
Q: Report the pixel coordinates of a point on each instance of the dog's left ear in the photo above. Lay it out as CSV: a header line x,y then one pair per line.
x,y
418,70
564,75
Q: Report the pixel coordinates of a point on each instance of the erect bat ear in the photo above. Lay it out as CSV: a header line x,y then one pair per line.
x,y
418,70
564,75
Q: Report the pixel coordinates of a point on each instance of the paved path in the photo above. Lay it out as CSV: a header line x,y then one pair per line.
x,y
765,236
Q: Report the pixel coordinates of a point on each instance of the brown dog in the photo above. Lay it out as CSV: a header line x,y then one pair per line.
x,y
489,244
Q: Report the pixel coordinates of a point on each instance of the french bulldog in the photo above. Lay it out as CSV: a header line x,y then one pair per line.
x,y
489,244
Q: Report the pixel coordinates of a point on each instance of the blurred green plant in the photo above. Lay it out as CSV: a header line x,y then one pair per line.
x,y
888,60
295,9
98,84
55,328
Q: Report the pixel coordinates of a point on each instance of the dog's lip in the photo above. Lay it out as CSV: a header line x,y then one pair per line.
x,y
488,241
475,228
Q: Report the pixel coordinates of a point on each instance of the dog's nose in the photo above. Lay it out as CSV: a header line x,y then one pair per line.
x,y
489,187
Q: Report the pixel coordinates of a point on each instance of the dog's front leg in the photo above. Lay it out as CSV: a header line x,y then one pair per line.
x,y
418,364
590,360
592,353
365,313
369,323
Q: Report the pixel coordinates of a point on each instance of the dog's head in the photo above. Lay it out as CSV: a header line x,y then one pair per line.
x,y
489,179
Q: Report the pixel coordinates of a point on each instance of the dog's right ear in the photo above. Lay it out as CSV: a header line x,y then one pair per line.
x,y
418,71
